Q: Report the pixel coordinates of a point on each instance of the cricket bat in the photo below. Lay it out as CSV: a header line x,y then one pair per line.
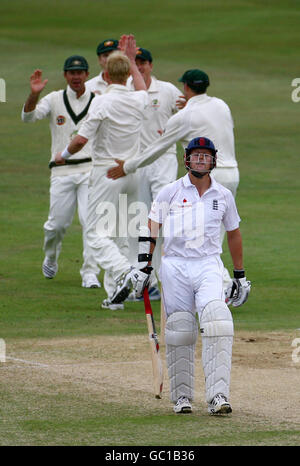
x,y
162,318
162,310
157,367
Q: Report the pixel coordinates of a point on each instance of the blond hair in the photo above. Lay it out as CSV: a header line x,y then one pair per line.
x,y
118,67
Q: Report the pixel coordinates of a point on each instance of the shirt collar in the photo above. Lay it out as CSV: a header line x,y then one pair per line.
x,y
197,98
187,182
153,86
118,87
101,79
72,94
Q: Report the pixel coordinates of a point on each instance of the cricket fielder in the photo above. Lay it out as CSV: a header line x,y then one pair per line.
x,y
66,110
114,123
99,83
191,211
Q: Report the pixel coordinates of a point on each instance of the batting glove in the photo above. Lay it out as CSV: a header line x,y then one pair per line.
x,y
238,291
140,280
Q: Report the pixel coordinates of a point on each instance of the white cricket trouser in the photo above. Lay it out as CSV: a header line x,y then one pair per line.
x,y
67,193
190,284
107,229
151,180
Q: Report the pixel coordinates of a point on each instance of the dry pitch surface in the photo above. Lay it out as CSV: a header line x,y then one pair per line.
x,y
264,387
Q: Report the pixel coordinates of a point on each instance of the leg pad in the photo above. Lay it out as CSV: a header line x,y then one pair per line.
x,y
180,337
217,338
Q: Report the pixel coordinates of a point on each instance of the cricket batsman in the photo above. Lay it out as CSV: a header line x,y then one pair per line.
x,y
191,211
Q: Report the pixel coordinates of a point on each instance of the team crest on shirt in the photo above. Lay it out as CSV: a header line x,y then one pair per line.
x,y
155,103
215,204
60,120
73,134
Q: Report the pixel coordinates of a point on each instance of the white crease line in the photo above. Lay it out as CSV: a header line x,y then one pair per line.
x,y
33,363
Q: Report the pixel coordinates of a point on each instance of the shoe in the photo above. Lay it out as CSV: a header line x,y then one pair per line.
x,y
154,295
90,281
219,405
183,406
123,287
49,268
107,304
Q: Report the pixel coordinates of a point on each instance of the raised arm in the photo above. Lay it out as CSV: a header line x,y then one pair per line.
x,y
37,84
127,44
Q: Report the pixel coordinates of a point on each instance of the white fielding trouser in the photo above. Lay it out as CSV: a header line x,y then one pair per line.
x,y
67,193
107,226
151,180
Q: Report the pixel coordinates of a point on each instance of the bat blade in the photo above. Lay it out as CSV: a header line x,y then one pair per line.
x,y
157,367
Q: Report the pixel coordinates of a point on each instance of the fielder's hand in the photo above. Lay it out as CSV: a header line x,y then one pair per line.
x,y
59,160
127,45
181,102
116,172
122,43
36,82
237,293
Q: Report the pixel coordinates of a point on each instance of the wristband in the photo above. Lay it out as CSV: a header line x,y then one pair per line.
x,y
147,238
65,153
239,274
144,257
148,269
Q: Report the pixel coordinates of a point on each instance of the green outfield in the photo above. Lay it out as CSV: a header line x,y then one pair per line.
x,y
52,390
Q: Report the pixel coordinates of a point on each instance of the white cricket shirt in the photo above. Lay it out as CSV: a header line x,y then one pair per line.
x,y
162,105
191,224
97,84
114,122
203,116
63,128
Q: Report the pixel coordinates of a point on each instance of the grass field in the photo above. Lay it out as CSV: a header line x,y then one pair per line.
x,y
78,375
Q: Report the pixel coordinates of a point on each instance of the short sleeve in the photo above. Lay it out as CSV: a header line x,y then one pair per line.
x,y
160,206
95,115
42,110
231,219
